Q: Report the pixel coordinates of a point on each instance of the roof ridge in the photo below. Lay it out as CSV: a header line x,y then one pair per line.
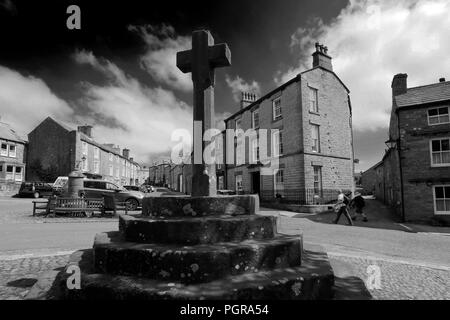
x,y
428,85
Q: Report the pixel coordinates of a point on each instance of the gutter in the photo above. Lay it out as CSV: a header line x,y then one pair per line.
x,y
400,166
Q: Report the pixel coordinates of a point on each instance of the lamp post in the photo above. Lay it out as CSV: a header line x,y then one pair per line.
x,y
395,144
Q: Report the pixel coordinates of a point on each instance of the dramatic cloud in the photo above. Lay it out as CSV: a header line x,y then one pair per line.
x,y
25,101
9,6
143,118
371,41
160,59
238,85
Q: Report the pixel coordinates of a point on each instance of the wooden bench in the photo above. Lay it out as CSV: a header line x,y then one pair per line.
x,y
75,207
40,206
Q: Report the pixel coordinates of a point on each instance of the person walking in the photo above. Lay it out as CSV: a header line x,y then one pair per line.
x,y
341,207
359,204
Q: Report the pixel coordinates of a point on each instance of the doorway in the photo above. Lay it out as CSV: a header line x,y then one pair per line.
x,y
256,180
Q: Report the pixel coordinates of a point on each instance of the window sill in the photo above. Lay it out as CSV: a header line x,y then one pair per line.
x,y
441,213
314,113
446,165
277,119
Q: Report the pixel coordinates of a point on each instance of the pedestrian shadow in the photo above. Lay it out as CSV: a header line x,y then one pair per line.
x,y
379,216
350,288
22,283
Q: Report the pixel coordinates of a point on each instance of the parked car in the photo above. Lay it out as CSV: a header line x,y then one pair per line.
x,y
35,189
97,188
226,192
147,188
60,185
133,188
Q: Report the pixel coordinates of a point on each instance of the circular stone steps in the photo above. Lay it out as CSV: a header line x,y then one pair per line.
x,y
193,264
313,280
186,206
194,231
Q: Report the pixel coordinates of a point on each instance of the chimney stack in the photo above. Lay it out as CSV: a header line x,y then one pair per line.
x,y
247,99
126,153
399,84
321,57
132,159
87,130
442,80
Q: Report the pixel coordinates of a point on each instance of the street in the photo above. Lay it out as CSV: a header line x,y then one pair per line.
x,y
413,265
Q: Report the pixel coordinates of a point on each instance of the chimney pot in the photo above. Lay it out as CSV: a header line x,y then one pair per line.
x,y
321,57
442,80
247,99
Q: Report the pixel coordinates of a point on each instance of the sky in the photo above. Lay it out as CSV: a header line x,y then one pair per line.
x,y
118,72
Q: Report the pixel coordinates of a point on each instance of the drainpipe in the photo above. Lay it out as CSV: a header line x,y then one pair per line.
x,y
400,166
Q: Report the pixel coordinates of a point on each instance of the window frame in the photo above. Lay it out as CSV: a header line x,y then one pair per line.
x,y
10,153
4,152
280,148
441,213
236,183
255,112
320,181
438,116
278,186
274,116
316,99
439,165
313,126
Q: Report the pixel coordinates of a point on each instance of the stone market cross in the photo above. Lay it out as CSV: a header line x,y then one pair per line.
x,y
201,61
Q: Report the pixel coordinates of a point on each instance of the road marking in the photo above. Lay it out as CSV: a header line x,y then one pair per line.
x,y
406,227
34,255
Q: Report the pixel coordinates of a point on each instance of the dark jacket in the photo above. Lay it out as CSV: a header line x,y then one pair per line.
x,y
358,202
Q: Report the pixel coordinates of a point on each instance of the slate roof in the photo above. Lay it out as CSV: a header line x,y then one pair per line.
x,y
8,133
425,94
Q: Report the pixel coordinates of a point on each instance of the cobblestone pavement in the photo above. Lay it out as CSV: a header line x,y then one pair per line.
x,y
400,281
18,276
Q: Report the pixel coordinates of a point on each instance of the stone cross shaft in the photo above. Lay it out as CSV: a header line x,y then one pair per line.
x,y
201,61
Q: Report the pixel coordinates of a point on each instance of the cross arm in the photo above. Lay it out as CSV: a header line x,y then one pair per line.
x,y
219,55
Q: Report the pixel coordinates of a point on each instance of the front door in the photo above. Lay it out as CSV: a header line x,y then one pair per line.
x,y
256,179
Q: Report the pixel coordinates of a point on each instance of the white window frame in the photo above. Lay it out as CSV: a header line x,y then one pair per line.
x,y
238,183
276,116
255,150
447,164
254,113
278,150
278,184
4,152
18,176
96,153
84,148
313,130
438,116
9,175
110,157
313,98
111,170
96,166
319,182
434,200
12,154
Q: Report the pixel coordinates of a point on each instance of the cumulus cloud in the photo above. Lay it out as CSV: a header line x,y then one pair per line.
x,y
143,118
238,85
371,41
160,58
26,100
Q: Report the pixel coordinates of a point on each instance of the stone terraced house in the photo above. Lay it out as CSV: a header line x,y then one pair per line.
x,y
57,149
12,160
414,175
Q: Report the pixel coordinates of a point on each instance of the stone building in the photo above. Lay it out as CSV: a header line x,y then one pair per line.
x,y
56,149
416,166
12,160
309,123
